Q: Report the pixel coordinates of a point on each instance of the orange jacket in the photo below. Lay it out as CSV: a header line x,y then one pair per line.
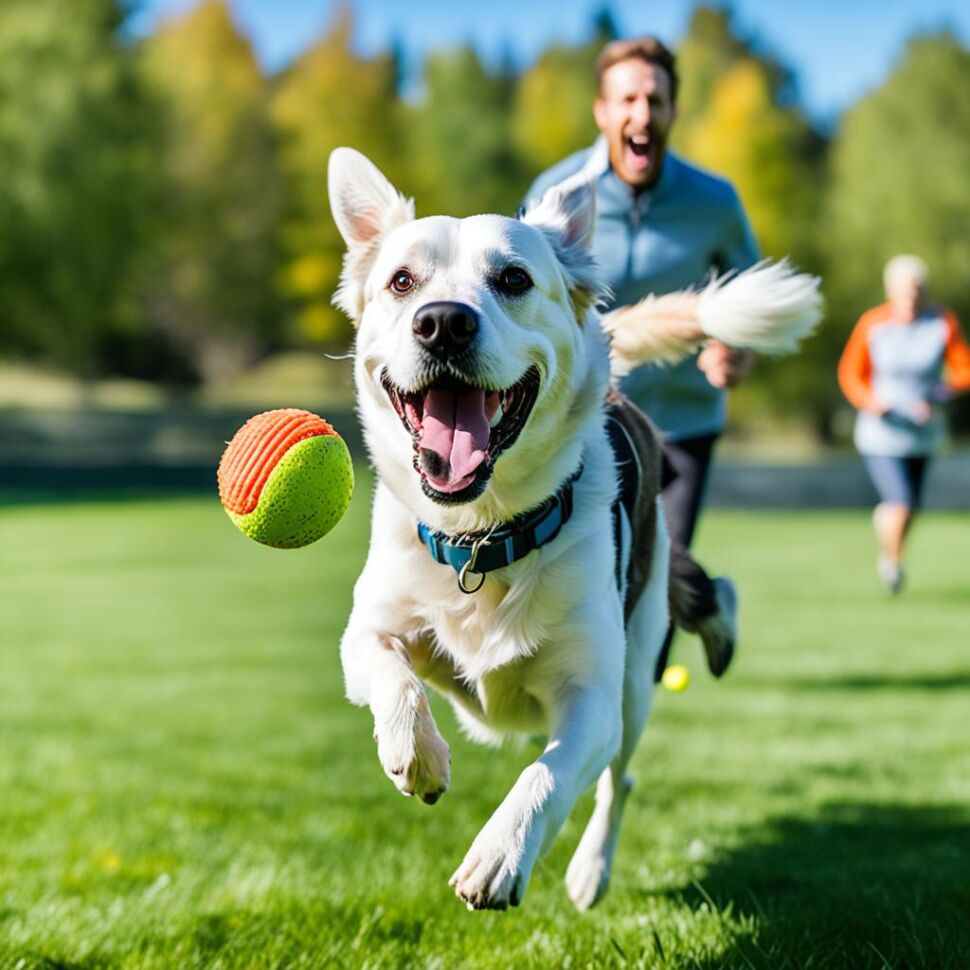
x,y
855,365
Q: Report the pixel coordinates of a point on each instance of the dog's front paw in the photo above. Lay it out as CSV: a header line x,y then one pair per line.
x,y
496,869
412,752
489,878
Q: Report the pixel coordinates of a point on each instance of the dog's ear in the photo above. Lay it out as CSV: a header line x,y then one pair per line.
x,y
365,207
566,216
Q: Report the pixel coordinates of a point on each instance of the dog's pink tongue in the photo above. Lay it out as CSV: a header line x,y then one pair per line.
x,y
455,428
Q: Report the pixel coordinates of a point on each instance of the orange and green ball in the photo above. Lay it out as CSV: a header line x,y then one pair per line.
x,y
286,478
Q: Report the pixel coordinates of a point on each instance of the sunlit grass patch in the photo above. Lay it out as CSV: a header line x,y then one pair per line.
x,y
184,785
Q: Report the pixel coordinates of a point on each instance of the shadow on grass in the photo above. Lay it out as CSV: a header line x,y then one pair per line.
x,y
861,885
949,680
958,594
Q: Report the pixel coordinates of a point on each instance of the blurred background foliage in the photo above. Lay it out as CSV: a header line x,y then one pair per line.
x,y
163,205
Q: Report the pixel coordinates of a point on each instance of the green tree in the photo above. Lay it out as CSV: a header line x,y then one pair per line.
x,y
209,284
899,176
766,151
899,183
460,156
739,117
73,162
328,97
552,111
710,47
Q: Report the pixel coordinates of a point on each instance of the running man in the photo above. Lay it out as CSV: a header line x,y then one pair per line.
x,y
663,225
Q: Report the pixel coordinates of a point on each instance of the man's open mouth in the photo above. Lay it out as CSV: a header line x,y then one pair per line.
x,y
459,430
639,152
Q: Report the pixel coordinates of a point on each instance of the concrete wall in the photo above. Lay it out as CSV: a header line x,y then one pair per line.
x,y
832,483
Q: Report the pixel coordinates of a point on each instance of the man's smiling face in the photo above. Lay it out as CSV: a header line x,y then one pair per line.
x,y
635,111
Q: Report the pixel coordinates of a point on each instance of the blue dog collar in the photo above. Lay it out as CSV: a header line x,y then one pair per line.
x,y
482,552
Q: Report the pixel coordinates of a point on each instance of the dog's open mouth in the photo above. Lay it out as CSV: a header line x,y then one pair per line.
x,y
459,430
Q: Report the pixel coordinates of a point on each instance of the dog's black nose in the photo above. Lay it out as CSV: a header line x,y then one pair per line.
x,y
445,327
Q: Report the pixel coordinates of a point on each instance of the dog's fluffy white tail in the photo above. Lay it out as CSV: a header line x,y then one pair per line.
x,y
768,308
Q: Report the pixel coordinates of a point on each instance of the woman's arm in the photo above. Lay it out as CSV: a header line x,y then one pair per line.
x,y
855,368
957,355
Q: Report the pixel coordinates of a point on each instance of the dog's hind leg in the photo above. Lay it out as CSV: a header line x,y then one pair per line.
x,y
588,875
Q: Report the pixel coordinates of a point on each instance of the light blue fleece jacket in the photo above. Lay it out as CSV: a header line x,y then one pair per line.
x,y
666,238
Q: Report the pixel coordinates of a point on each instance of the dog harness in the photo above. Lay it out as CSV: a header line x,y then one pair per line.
x,y
484,552
630,472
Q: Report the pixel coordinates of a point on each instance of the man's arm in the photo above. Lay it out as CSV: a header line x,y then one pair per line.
x,y
739,249
722,365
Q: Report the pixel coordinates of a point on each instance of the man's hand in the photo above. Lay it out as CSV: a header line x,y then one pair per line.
x,y
724,366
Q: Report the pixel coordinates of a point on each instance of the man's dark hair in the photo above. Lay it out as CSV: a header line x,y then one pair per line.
x,y
647,49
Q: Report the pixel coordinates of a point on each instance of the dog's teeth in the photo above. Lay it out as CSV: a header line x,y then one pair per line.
x,y
413,416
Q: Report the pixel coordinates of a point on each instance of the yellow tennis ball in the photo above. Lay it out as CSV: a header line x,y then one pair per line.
x,y
286,478
676,678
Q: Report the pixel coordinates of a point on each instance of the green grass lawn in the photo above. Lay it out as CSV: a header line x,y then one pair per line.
x,y
183,784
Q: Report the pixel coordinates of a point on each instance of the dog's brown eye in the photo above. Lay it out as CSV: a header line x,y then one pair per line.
x,y
513,280
402,281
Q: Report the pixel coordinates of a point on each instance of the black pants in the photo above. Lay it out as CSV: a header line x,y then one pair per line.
x,y
690,460
683,497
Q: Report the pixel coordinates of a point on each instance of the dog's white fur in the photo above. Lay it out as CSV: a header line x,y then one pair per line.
x,y
542,648
769,308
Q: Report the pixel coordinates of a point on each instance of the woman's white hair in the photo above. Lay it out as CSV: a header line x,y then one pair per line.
x,y
905,267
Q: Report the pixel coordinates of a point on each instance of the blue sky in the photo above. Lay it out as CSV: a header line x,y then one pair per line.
x,y
839,48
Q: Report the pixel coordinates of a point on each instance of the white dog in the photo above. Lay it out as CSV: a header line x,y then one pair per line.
x,y
482,370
